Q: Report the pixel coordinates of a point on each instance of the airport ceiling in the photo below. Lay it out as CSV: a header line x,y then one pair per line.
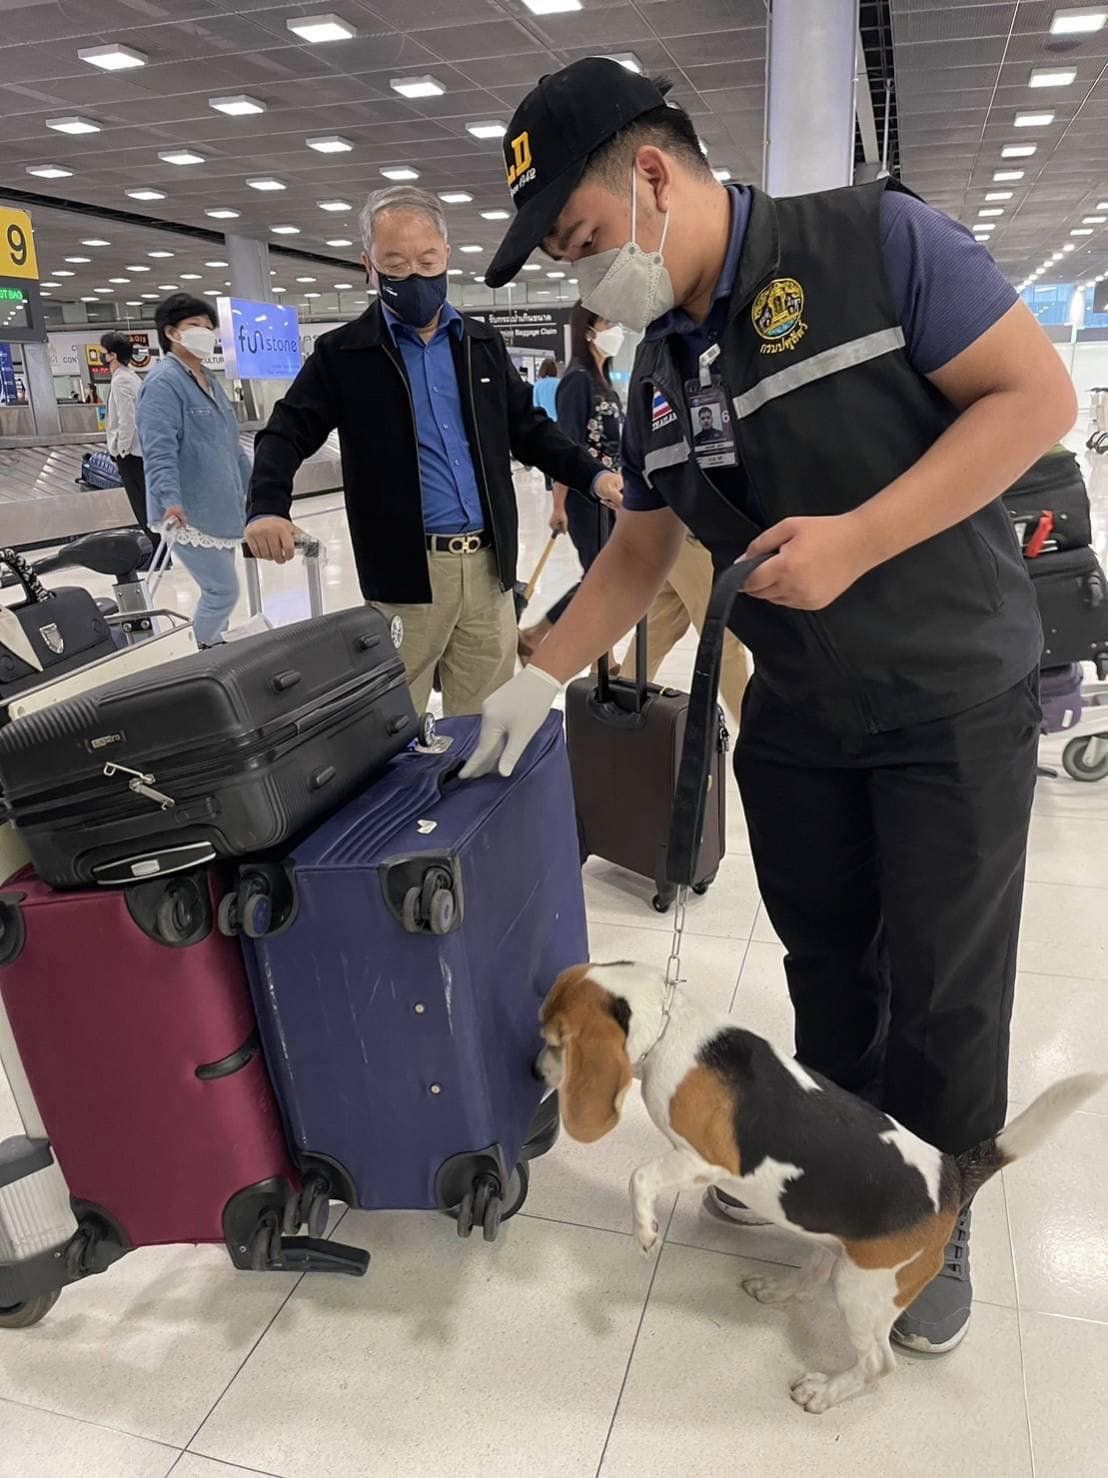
x,y
486,55
963,73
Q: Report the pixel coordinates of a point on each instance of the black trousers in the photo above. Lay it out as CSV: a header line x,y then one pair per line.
x,y
590,523
892,866
133,475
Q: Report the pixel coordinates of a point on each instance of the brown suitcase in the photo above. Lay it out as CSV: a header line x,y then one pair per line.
x,y
625,741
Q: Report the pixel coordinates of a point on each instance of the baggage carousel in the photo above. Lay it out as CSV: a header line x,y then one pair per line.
x,y
41,503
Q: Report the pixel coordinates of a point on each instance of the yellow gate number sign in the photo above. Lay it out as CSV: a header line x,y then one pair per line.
x,y
17,245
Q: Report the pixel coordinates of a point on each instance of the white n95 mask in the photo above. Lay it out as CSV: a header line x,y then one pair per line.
x,y
198,341
627,285
609,340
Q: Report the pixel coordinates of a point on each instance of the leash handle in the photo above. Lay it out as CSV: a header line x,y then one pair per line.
x,y
536,574
690,797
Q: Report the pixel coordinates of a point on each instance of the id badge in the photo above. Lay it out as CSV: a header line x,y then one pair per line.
x,y
712,432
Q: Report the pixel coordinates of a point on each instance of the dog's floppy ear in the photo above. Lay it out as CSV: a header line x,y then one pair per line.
x,y
577,1017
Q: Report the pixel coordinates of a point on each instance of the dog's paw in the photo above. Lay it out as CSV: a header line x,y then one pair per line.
x,y
772,1291
814,1391
646,1235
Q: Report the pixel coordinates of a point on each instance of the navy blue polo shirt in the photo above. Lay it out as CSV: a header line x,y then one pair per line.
x,y
948,288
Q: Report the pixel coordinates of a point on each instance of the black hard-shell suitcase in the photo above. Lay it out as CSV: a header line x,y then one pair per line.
x,y
1052,486
1073,604
226,753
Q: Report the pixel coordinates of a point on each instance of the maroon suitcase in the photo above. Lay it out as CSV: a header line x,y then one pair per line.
x,y
132,1016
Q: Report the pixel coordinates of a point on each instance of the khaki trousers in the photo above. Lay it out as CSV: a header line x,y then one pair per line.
x,y
468,631
683,602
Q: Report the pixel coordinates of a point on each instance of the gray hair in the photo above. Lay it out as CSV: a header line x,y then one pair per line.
x,y
400,197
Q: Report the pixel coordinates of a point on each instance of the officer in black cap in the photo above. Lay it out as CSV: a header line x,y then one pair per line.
x,y
878,385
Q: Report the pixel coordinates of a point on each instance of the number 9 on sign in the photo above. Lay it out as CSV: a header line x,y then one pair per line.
x,y
17,245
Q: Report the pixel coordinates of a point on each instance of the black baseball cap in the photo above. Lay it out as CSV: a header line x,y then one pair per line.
x,y
553,132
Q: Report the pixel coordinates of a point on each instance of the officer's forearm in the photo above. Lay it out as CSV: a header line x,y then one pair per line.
x,y
989,446
625,577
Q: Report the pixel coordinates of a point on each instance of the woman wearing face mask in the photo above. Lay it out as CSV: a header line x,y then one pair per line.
x,y
196,470
589,412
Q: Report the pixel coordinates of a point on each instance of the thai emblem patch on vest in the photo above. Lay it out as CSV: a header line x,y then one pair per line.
x,y
777,315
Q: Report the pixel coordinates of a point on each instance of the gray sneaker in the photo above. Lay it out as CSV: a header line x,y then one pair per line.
x,y
720,1204
938,1319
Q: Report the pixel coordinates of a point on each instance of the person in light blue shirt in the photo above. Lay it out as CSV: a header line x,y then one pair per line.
x,y
197,472
545,389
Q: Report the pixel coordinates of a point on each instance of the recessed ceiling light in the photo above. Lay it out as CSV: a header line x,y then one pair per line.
x,y
417,87
329,143
555,274
1018,151
1101,205
61,272
49,284
211,292
400,172
108,290
551,7
238,106
1078,21
90,300
999,195
335,205
1082,231
49,171
305,279
495,215
1033,120
266,183
1003,176
78,259
285,230
313,295
455,197
120,281
991,210
223,213
1057,257
344,287
489,130
477,278
134,302
279,289
180,156
1070,246
471,247
722,174
317,28
73,125
148,296
191,276
160,254
216,262
138,267
94,241
532,266
146,194
1093,220
168,287
338,241
626,59
1052,76
542,293
455,272
113,58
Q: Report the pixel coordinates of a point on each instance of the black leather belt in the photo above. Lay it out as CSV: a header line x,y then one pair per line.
x,y
458,543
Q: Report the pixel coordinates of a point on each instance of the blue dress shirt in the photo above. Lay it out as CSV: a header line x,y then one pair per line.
x,y
451,501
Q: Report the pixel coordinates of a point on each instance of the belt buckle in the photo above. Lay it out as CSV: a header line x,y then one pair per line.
x,y
464,543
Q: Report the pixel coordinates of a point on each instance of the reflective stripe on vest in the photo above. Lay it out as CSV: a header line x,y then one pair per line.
x,y
829,362
665,456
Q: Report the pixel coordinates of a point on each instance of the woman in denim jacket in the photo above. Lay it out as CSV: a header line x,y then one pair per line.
x,y
196,469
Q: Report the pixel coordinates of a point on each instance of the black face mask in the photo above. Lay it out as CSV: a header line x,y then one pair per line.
x,y
413,299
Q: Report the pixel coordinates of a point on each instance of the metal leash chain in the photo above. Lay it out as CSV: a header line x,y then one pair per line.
x,y
674,977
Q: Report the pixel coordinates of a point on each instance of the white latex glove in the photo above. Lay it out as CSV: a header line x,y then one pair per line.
x,y
510,719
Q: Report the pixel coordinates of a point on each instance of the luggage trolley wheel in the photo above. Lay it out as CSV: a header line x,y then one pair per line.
x,y
426,731
485,1206
1086,759
265,1244
248,908
23,1315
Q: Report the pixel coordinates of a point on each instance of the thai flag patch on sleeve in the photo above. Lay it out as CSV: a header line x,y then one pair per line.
x,y
661,412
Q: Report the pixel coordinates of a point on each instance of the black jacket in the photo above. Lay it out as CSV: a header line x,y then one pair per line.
x,y
827,410
356,381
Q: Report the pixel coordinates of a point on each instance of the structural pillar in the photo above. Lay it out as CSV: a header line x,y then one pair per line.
x,y
248,263
812,46
40,389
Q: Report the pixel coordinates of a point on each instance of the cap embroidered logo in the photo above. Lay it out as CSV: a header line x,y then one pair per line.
x,y
520,169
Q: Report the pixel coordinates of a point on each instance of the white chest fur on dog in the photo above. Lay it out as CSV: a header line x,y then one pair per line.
x,y
874,1201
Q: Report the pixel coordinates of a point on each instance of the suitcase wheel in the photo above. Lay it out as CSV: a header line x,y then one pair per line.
x,y
426,730
485,1205
265,1244
701,888
312,1206
1086,759
662,900
22,1316
430,906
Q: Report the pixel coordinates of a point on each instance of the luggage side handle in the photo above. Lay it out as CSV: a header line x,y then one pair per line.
x,y
690,797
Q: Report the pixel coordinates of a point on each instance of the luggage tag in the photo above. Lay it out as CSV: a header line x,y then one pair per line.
x,y
712,433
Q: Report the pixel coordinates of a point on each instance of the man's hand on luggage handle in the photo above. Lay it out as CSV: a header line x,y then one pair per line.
x,y
273,538
510,719
814,561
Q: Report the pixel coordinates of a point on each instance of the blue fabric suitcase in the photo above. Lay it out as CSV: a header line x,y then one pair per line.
x,y
399,958
98,470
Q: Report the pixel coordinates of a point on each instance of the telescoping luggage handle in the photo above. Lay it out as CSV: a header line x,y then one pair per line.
x,y
603,666
312,550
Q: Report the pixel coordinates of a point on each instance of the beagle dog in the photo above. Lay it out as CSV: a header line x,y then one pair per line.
x,y
875,1203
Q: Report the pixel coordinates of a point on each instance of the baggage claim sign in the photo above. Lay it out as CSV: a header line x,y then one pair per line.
x,y
21,316
261,341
